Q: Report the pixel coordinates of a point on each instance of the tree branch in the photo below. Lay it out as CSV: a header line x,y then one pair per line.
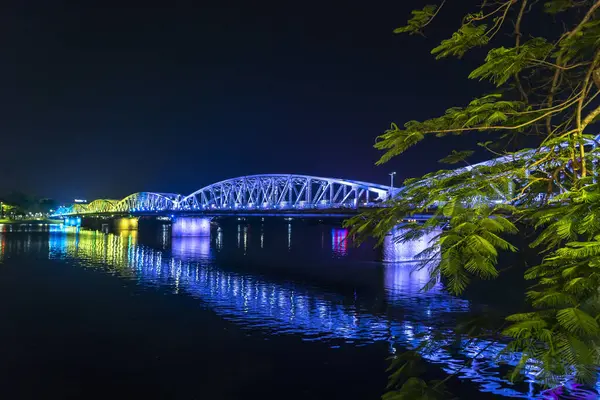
x,y
564,106
558,66
517,46
580,103
500,21
590,117
434,14
556,76
585,19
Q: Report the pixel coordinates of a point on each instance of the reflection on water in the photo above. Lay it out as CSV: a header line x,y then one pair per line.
x,y
2,247
191,248
273,307
255,301
394,310
26,233
339,241
29,227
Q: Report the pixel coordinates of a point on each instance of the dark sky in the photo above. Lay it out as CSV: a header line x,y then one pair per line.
x,y
105,98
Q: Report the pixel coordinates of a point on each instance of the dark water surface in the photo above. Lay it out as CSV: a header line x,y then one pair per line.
x,y
257,310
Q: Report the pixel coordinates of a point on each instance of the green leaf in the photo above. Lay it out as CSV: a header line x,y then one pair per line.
x,y
557,6
554,299
503,63
524,328
522,317
577,321
419,19
457,156
489,249
466,38
496,117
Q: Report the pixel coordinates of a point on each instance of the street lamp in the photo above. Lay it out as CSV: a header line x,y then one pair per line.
x,y
391,174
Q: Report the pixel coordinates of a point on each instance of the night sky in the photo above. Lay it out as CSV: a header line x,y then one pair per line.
x,y
107,98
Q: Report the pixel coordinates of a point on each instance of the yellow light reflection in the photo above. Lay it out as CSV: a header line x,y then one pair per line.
x,y
127,224
2,246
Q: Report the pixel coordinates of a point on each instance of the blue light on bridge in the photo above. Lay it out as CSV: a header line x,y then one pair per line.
x,y
254,192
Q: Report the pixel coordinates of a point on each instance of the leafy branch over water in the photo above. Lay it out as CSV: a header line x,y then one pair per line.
x,y
547,95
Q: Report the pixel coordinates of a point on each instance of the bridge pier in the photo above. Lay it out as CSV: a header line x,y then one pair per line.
x,y
190,226
72,221
93,223
407,251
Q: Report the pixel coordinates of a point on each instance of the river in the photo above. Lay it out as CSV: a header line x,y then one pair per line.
x,y
270,310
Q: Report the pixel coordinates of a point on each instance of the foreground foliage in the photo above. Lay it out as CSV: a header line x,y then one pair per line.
x,y
546,96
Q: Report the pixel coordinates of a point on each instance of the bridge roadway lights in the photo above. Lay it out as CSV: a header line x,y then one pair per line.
x,y
126,224
190,226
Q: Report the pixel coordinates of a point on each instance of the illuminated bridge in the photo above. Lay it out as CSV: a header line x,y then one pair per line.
x,y
275,195
247,195
271,194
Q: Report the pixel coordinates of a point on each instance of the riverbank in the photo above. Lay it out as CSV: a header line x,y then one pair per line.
x,y
34,221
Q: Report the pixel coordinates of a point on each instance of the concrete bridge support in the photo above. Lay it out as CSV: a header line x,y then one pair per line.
x,y
407,251
72,221
94,223
190,226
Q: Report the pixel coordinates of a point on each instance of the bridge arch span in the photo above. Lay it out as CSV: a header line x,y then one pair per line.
x,y
285,191
253,192
100,206
147,201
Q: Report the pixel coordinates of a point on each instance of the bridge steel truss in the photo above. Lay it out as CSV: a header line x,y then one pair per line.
x,y
281,192
249,193
285,192
147,201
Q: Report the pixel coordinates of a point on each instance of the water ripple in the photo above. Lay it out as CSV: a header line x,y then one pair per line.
x,y
403,316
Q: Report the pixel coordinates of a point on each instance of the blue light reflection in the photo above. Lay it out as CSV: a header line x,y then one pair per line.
x,y
255,302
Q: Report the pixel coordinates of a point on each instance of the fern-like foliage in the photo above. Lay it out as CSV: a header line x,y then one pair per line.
x,y
463,40
457,157
547,98
563,332
581,44
557,6
486,113
502,63
419,19
469,245
404,383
